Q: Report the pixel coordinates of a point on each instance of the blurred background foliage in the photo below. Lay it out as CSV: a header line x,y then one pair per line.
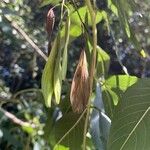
x,y
21,67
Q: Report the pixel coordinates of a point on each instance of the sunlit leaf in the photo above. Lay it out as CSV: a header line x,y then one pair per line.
x,y
57,80
65,51
75,30
143,53
61,147
61,63
112,7
48,74
103,62
127,29
121,81
82,12
29,130
105,17
113,89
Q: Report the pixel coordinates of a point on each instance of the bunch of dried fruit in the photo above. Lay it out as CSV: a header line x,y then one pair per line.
x,y
80,85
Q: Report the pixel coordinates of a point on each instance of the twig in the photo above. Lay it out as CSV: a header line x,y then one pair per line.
x,y
25,91
27,38
17,120
93,63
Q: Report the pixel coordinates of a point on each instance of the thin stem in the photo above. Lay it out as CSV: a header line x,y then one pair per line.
x,y
25,91
17,120
93,63
27,38
62,8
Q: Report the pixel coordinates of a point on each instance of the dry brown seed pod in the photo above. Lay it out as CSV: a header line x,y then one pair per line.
x,y
50,20
80,85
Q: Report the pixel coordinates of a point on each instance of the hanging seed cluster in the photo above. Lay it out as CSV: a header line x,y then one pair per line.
x,y
80,85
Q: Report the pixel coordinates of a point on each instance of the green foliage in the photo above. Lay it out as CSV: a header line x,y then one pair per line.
x,y
122,122
76,135
113,90
65,52
48,73
130,123
56,66
112,7
103,62
122,82
82,12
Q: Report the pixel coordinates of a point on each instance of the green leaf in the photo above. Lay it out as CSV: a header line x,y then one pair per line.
x,y
61,63
75,30
75,27
48,73
74,139
58,79
114,96
122,82
29,130
131,122
47,2
105,17
82,11
61,147
113,89
127,29
112,7
103,62
65,52
108,102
